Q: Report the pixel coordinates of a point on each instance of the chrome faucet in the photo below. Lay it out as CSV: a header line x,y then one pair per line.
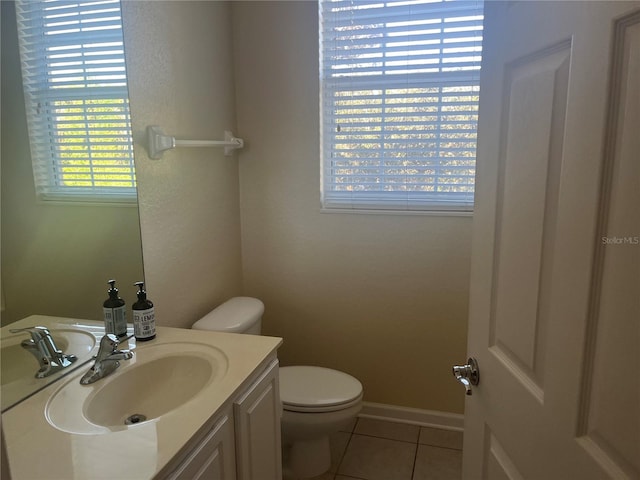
x,y
41,345
107,359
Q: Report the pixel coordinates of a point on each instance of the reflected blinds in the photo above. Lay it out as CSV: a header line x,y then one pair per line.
x,y
76,98
399,103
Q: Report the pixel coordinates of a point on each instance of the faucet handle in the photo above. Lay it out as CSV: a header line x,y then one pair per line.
x,y
109,341
18,330
109,345
37,333
43,347
114,341
107,359
41,337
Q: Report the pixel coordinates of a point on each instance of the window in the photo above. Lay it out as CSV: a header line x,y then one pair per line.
x,y
399,103
76,97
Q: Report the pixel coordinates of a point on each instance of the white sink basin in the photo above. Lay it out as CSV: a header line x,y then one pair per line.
x,y
159,380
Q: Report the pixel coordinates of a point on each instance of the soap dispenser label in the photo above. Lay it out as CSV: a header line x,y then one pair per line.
x,y
115,320
144,323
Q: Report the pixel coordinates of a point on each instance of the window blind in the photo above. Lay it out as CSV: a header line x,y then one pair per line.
x,y
399,103
76,99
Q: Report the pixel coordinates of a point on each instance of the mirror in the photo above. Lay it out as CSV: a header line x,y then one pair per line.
x,y
56,258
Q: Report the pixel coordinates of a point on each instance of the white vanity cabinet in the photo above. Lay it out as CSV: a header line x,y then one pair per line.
x,y
244,440
213,458
228,430
257,415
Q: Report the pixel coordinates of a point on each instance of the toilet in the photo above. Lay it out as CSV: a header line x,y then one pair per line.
x,y
316,401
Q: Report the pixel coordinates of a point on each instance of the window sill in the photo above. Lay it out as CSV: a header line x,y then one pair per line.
x,y
86,202
428,213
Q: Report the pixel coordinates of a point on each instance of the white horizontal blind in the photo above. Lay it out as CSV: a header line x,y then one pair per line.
x,y
77,100
399,103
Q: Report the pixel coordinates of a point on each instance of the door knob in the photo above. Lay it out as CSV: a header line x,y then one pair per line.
x,y
468,374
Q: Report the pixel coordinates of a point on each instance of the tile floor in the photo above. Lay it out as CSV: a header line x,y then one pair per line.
x,y
379,450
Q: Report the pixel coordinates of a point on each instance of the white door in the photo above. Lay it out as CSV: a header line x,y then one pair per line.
x,y
555,297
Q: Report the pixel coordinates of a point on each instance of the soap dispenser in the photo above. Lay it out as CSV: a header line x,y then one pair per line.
x,y
144,319
115,314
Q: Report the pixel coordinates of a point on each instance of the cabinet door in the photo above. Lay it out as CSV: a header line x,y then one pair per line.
x,y
213,458
257,417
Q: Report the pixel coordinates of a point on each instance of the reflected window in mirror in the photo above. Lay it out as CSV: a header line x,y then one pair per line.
x,y
75,83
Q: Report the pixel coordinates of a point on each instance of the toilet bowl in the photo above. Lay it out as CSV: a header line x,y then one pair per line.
x,y
316,401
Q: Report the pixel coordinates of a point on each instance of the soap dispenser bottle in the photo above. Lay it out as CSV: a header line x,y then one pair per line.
x,y
115,314
144,319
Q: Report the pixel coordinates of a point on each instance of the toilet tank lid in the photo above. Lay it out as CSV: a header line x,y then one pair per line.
x,y
235,315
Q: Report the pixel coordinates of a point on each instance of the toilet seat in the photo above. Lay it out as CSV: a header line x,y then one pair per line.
x,y
318,389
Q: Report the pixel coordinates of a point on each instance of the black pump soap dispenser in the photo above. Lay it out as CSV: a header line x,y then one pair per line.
x,y
115,313
144,318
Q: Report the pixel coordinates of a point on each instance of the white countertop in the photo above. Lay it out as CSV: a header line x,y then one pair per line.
x,y
38,450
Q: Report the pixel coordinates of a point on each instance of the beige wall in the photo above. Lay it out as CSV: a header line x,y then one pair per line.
x,y
383,297
56,259
180,77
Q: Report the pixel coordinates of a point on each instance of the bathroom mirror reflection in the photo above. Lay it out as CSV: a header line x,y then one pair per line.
x,y
56,257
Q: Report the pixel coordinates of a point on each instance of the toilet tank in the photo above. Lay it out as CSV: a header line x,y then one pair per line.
x,y
236,315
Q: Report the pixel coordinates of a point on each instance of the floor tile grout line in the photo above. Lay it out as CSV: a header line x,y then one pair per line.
x,y
344,453
400,440
404,441
386,438
440,446
415,460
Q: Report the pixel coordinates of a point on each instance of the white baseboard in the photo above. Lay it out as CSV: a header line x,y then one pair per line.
x,y
413,416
